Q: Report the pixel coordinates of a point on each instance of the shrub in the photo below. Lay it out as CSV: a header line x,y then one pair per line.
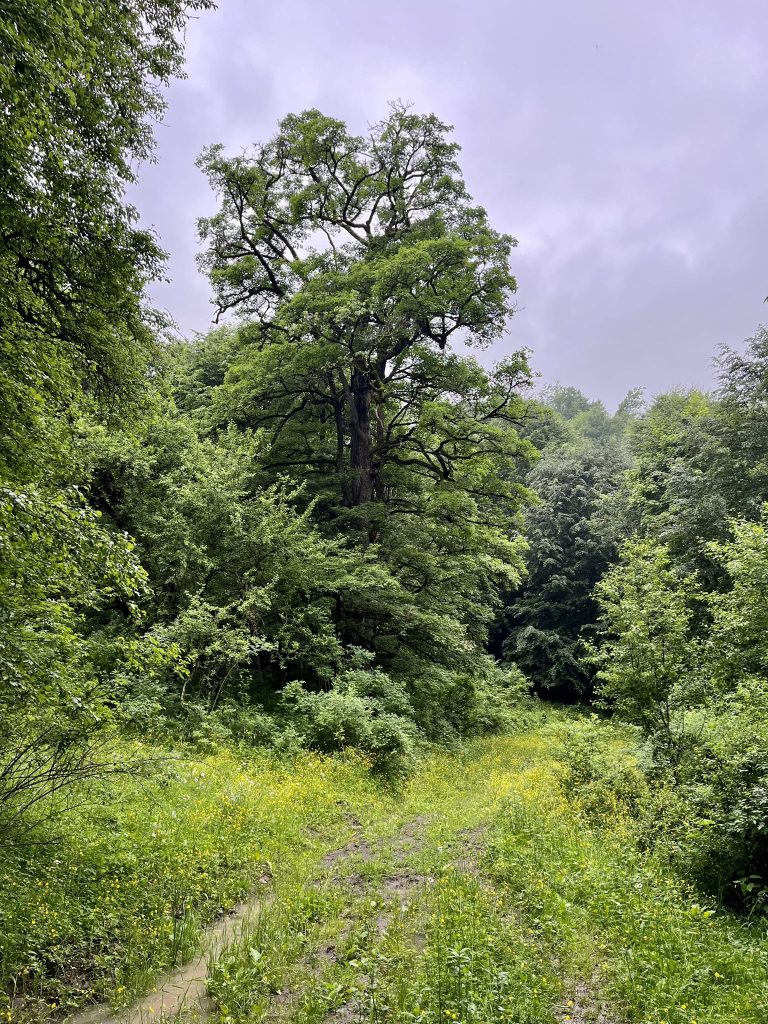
x,y
603,770
449,706
358,712
722,843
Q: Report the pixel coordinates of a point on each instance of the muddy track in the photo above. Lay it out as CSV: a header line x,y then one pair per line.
x,y
583,1008
396,888
185,989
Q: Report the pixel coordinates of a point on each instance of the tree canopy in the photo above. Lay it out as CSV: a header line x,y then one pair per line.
x,y
353,264
333,521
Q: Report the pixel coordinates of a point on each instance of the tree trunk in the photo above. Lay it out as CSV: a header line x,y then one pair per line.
x,y
338,417
360,453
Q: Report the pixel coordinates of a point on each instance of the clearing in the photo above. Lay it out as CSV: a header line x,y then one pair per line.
x,y
479,891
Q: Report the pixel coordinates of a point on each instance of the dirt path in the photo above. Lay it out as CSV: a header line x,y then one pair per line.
x,y
186,987
479,893
397,888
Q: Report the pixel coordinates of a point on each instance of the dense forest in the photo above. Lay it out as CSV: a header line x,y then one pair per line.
x,y
327,539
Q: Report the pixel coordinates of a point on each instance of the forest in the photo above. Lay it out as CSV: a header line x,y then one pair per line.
x,y
456,681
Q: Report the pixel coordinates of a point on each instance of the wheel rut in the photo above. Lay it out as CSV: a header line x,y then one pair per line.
x,y
185,989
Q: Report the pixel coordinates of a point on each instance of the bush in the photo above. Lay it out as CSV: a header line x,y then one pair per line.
x,y
606,775
706,816
449,706
361,712
716,831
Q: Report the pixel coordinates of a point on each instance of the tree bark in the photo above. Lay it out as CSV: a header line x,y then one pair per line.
x,y
360,448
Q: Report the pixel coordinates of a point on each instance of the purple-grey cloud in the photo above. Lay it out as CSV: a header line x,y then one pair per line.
x,y
623,144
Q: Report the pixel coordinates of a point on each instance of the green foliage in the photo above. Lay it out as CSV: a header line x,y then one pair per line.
x,y
669,494
300,531
450,704
738,643
341,380
649,666
571,542
648,947
725,775
589,420
57,563
481,883
605,771
701,461
241,582
325,479
701,700
256,595
364,709
512,905
684,653
80,85
711,825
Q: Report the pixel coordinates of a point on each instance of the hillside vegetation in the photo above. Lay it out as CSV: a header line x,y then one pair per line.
x,y
285,609
511,881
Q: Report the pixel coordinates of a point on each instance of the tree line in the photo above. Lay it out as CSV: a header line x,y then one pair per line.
x,y
647,593
324,523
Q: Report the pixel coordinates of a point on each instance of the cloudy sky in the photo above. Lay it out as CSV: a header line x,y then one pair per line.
x,y
623,143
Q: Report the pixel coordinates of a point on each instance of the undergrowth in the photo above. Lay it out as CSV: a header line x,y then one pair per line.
x,y
509,880
122,891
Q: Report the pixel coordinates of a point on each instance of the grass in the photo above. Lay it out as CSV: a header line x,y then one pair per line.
x,y
125,892
643,941
479,891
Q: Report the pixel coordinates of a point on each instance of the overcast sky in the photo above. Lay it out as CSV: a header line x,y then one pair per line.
x,y
623,143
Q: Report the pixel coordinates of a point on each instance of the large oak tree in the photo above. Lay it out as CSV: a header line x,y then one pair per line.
x,y
355,263
356,260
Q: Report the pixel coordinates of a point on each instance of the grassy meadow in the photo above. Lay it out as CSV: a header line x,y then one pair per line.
x,y
486,887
